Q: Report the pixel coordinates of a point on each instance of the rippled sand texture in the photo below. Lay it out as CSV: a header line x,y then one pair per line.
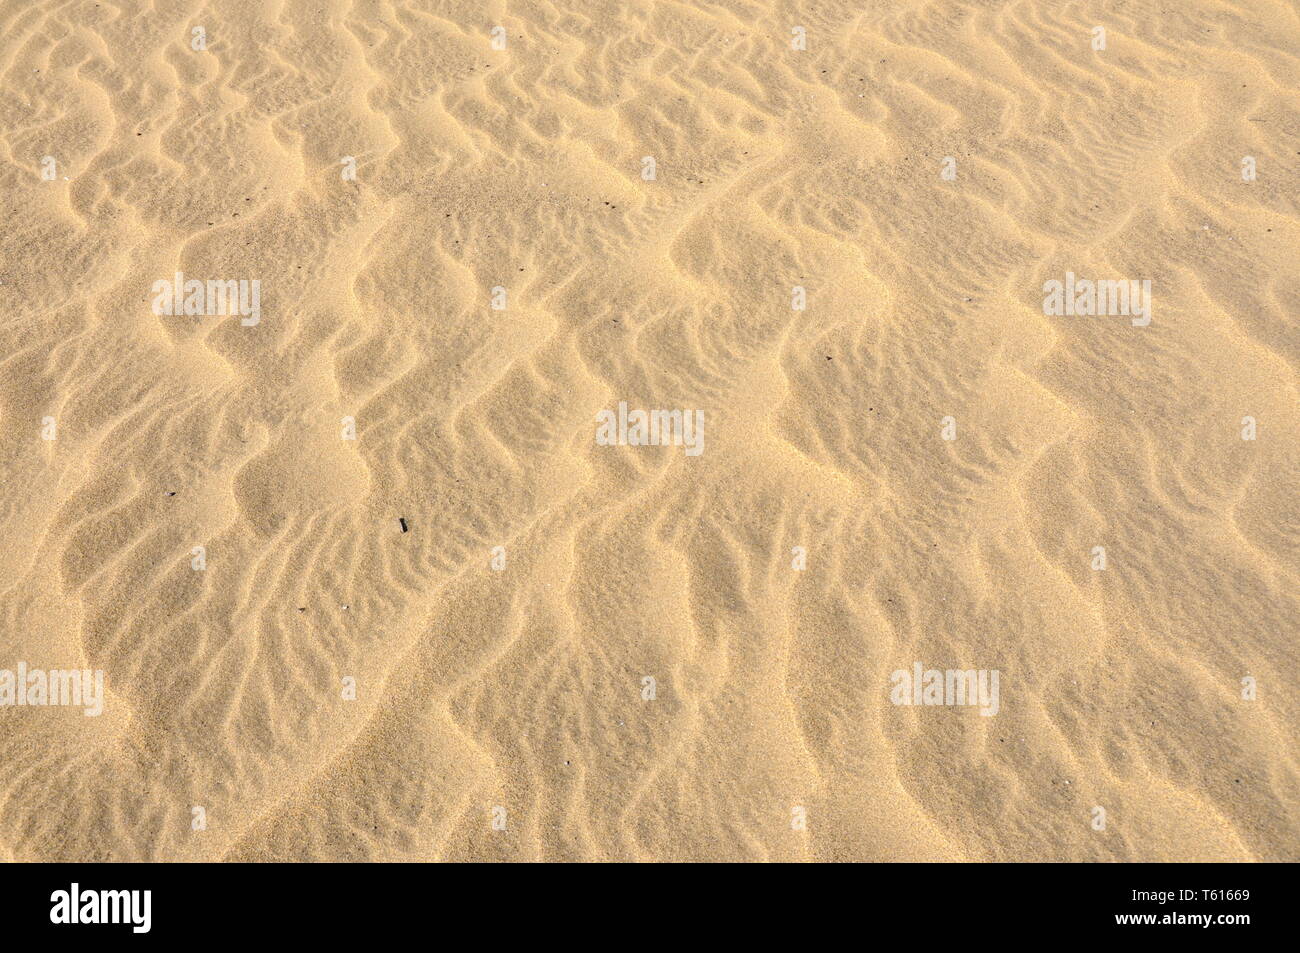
x,y
522,688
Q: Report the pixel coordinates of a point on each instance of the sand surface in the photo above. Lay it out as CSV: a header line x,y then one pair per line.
x,y
580,651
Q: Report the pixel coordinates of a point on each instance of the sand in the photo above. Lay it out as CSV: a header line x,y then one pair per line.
x,y
376,568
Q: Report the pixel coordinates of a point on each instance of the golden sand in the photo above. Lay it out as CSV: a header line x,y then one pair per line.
x,y
477,632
